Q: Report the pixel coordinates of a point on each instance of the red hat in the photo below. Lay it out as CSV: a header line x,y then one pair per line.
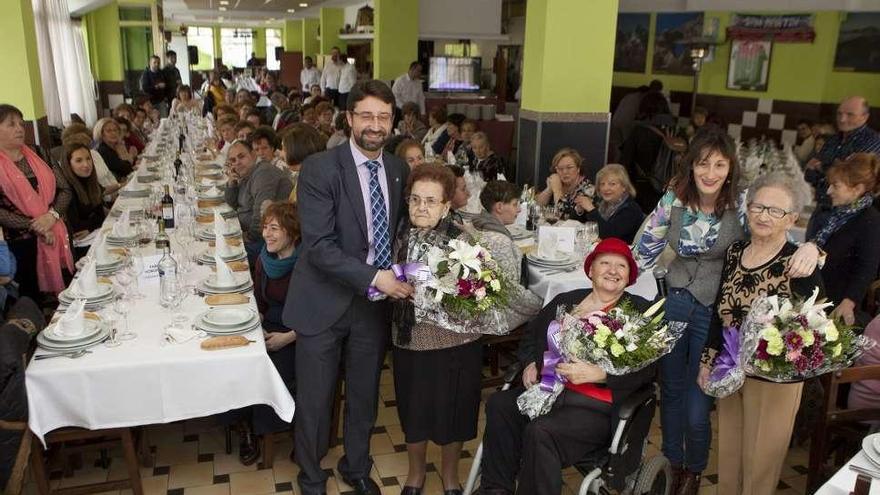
x,y
613,245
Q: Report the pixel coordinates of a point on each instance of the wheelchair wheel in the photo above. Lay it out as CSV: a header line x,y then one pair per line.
x,y
655,477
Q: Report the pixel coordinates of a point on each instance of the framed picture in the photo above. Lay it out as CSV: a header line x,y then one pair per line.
x,y
749,67
631,44
858,43
671,56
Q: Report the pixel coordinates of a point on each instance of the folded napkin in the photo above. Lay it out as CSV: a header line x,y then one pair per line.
x,y
221,248
122,227
101,252
548,245
213,192
72,323
178,335
220,226
225,278
87,282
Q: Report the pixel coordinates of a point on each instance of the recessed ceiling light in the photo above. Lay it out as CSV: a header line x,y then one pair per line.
x,y
224,2
303,5
222,9
290,11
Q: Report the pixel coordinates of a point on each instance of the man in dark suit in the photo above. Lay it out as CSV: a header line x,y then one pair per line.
x,y
350,199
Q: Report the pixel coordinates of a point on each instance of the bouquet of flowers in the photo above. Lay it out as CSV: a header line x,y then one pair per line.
x,y
620,341
782,341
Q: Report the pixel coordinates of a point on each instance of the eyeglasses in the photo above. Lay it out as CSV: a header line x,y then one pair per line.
x,y
774,212
415,202
382,118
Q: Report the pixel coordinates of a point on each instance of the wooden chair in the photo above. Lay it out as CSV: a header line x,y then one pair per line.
x,y
495,346
16,476
833,420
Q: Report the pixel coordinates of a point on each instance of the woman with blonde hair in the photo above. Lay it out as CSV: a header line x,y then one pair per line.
x,y
566,182
616,211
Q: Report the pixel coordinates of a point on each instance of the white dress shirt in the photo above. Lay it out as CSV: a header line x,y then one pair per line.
x,y
330,76
308,78
405,90
347,78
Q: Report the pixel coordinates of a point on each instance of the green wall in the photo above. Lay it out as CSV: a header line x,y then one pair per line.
x,y
259,40
18,37
105,43
292,37
798,71
332,20
138,48
310,45
396,42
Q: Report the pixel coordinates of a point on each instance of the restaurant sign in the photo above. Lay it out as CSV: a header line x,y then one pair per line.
x,y
792,28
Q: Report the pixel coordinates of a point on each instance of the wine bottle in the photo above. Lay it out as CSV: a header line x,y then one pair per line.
x,y
168,209
177,164
167,273
162,239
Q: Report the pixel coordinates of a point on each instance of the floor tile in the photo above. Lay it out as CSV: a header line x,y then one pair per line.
x,y
392,464
252,483
218,489
192,474
229,463
153,485
85,476
179,453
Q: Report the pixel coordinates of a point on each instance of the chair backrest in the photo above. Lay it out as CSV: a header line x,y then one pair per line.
x,y
834,415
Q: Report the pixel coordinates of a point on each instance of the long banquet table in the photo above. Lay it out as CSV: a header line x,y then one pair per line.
x,y
147,380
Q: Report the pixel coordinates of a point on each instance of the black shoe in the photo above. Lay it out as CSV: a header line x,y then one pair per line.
x,y
248,449
411,490
363,486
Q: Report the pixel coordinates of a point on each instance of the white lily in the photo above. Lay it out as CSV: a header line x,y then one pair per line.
x,y
464,258
435,256
656,307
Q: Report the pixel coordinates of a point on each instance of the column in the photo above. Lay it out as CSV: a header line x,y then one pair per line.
x,y
566,84
259,45
24,90
396,37
105,54
332,20
293,35
310,44
218,47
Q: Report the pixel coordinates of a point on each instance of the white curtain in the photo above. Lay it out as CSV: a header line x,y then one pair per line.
x,y
68,86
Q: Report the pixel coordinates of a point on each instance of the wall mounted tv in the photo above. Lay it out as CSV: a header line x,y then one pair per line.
x,y
454,74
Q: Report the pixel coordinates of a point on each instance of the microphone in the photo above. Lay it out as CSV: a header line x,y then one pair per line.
x,y
660,279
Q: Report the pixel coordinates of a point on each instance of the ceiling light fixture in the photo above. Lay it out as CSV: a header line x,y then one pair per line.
x,y
224,2
222,9
290,11
303,5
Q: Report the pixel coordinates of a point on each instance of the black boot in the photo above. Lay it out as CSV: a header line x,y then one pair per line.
x,y
248,447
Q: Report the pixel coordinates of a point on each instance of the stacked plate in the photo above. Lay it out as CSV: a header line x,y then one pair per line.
x,y
871,447
205,184
136,191
228,321
243,283
207,195
133,213
560,261
518,232
206,233
102,296
110,265
94,332
122,240
236,253
145,178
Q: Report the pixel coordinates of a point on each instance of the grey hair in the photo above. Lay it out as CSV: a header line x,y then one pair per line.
x,y
793,184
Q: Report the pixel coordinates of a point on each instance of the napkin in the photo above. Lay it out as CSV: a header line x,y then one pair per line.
x,y
213,192
178,335
225,278
547,244
88,279
122,226
72,323
220,228
101,252
221,248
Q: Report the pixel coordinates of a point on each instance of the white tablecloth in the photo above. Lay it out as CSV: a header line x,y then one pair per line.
x,y
145,381
549,286
844,480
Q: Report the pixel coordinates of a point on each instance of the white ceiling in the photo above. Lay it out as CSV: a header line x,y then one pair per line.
x,y
247,12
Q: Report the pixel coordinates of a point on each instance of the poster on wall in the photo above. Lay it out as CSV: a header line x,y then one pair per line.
x,y
749,67
858,43
631,44
670,55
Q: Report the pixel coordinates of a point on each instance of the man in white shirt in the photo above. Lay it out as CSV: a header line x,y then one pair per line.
x,y
347,79
309,75
408,87
330,76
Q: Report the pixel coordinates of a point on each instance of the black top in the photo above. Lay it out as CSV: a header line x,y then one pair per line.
x,y
740,287
120,168
534,343
853,257
623,224
489,167
150,85
81,216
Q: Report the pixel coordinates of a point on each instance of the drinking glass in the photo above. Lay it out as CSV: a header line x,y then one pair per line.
x,y
121,307
124,277
137,269
110,320
551,214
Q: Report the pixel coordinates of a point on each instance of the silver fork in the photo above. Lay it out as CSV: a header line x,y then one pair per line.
x,y
72,355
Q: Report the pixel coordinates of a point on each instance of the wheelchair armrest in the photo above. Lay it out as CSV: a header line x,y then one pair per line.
x,y
512,372
635,400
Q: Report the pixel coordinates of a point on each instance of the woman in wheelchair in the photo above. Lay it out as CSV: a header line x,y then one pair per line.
x,y
581,420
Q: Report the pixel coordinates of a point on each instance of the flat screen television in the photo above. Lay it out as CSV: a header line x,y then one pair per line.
x,y
454,74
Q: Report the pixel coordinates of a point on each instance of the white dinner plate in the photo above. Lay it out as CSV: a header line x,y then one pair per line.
x,y
562,261
208,232
228,331
868,445
241,279
228,317
113,261
238,290
104,291
235,253
90,329
52,345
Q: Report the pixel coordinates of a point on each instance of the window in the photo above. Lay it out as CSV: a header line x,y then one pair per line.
x,y
203,39
236,45
273,40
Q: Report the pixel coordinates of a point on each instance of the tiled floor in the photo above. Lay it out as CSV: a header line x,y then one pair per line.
x,y
190,459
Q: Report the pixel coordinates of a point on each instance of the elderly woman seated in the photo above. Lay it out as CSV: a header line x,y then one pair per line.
x,y
484,160
500,201
580,422
616,212
754,268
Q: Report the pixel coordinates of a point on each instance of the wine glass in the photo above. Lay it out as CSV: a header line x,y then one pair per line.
x,y
137,269
124,277
122,308
110,320
551,214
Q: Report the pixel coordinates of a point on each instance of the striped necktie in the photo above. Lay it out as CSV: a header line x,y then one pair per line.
x,y
379,217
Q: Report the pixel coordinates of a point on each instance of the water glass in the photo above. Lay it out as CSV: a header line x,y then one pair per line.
x,y
122,308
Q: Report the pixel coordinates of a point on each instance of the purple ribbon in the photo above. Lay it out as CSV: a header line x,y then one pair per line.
x,y
552,357
401,272
728,360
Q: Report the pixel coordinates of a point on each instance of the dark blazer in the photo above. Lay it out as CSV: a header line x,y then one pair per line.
x,y
623,224
332,267
853,258
120,168
534,343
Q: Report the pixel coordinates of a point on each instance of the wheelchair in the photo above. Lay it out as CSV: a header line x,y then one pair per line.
x,y
622,467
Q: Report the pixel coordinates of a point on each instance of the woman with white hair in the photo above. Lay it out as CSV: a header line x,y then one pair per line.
x,y
617,212
756,421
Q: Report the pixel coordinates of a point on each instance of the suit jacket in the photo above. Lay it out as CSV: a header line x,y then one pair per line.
x,y
332,267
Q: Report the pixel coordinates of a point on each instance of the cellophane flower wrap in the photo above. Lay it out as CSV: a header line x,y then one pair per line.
x,y
458,286
783,340
620,341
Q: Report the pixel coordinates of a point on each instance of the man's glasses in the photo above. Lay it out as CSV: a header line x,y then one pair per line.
x,y
382,118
